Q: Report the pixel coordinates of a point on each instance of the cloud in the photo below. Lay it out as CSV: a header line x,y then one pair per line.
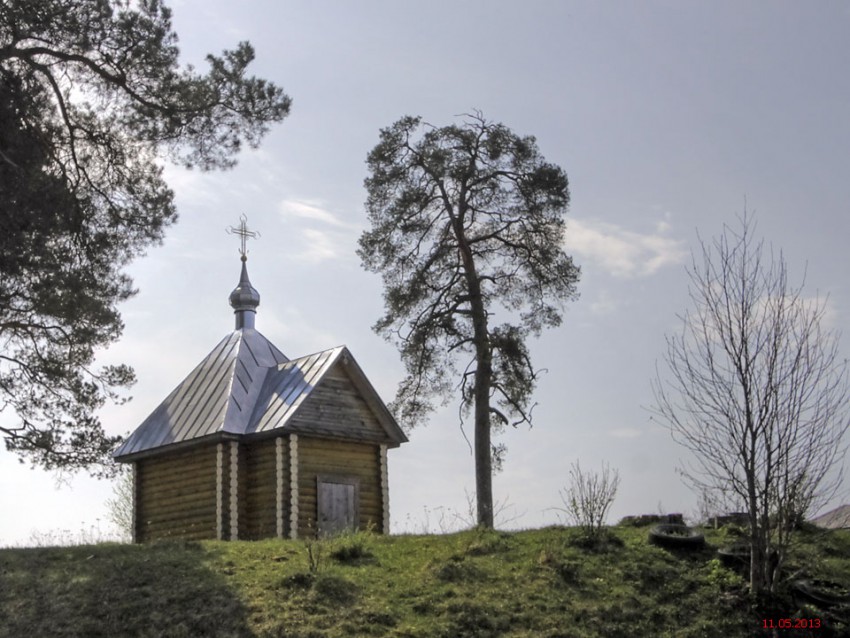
x,y
322,234
623,253
311,211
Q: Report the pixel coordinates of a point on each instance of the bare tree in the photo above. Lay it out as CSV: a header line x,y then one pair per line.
x,y
589,497
756,389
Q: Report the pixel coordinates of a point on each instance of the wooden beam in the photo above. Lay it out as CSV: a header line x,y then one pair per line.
x,y
234,490
134,468
385,491
279,486
293,486
219,489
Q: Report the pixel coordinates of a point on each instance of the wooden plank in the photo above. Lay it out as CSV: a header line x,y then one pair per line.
x,y
354,456
266,483
260,496
192,475
200,456
177,480
170,477
338,468
178,513
178,518
175,512
206,484
338,446
149,501
261,461
181,459
254,466
186,501
342,456
190,487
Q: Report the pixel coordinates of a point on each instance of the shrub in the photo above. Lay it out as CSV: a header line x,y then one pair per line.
x,y
721,577
351,550
589,497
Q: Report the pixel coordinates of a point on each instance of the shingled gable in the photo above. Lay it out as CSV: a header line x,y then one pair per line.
x,y
325,394
254,445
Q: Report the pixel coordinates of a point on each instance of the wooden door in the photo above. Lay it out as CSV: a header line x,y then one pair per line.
x,y
337,505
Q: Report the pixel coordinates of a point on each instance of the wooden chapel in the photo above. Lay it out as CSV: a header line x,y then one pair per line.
x,y
254,445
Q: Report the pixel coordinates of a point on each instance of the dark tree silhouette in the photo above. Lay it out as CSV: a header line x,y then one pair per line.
x,y
91,97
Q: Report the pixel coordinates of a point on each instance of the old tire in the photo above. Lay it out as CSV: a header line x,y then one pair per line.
x,y
822,593
676,536
736,555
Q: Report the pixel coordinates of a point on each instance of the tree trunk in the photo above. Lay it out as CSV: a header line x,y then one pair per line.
x,y
481,390
759,556
483,375
756,564
756,560
483,447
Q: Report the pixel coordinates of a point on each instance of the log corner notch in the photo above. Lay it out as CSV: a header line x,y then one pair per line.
x,y
385,491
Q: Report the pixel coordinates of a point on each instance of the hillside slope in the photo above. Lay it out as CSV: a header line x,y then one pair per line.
x,y
540,583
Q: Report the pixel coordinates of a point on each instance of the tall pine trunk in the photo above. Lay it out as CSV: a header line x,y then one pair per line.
x,y
482,384
483,447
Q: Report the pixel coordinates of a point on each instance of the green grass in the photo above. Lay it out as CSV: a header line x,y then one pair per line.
x,y
543,583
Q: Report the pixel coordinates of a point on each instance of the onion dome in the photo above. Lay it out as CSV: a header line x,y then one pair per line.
x,y
244,299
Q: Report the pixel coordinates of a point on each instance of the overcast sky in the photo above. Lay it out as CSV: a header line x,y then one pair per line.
x,y
669,118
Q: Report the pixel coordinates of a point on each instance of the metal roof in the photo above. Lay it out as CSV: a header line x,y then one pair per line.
x,y
286,388
245,386
217,396
839,518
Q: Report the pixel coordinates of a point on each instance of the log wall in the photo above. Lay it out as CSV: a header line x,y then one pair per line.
x,y
258,496
176,495
343,459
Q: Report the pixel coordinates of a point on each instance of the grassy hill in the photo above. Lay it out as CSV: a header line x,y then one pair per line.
x,y
544,583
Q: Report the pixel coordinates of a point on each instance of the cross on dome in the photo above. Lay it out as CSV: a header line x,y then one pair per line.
x,y
244,235
244,299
